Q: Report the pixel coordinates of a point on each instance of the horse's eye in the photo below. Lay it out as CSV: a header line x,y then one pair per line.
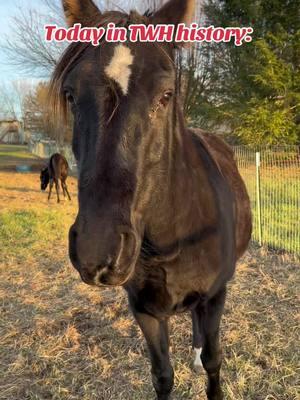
x,y
70,98
168,94
166,97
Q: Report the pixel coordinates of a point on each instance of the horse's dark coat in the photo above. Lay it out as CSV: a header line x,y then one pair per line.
x,y
163,210
57,170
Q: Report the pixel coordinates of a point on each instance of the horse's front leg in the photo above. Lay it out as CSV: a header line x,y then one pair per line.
x,y
157,337
211,353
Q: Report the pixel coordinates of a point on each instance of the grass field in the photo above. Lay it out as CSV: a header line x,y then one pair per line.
x,y
63,340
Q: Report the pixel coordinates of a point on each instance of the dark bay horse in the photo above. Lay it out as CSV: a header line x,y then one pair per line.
x,y
57,170
163,211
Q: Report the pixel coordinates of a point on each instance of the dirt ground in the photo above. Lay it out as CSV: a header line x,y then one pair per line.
x,y
60,339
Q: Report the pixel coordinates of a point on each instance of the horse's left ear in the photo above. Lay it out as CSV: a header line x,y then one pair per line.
x,y
84,12
175,12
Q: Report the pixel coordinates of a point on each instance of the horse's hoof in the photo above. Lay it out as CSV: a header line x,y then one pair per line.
x,y
197,365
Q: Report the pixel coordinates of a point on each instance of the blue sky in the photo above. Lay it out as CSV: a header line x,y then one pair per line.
x,y
9,8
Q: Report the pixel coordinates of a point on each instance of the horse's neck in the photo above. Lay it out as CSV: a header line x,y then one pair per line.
x,y
183,203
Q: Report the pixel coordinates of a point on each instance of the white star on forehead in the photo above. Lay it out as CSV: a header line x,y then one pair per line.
x,y
119,67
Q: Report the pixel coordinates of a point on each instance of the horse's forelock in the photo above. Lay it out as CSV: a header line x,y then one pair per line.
x,y
73,54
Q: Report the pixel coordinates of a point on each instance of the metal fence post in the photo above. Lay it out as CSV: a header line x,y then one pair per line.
x,y
258,197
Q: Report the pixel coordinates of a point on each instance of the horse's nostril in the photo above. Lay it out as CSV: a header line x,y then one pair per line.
x,y
73,247
73,233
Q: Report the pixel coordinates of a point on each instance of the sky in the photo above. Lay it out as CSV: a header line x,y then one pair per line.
x,y
8,9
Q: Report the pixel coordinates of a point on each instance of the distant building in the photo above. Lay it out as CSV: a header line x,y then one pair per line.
x,y
11,130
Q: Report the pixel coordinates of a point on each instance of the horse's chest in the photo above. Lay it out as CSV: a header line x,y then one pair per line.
x,y
163,292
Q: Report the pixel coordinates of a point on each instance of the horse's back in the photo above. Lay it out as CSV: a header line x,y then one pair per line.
x,y
58,166
223,156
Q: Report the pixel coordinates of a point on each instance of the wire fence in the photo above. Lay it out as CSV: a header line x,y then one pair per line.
x,y
272,177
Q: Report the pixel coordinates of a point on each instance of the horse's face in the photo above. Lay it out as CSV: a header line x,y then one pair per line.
x,y
44,178
122,98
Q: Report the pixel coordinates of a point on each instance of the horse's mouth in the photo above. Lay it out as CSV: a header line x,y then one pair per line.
x,y
105,276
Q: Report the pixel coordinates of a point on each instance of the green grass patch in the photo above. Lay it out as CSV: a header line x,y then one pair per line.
x,y
23,232
15,151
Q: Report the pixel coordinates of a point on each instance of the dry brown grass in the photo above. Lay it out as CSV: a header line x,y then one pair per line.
x,y
60,339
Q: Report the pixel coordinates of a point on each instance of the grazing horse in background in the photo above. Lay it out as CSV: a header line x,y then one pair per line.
x,y
163,211
57,170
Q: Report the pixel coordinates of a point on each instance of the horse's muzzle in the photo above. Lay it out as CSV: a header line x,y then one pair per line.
x,y
97,267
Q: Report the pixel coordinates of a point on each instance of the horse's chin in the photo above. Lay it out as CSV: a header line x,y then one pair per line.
x,y
108,278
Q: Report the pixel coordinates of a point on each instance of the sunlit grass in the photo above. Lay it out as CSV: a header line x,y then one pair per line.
x,y
14,151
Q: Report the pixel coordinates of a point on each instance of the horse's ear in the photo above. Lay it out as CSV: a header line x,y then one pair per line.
x,y
175,12
84,12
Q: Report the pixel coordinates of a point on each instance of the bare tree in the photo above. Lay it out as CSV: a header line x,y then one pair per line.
x,y
27,49
12,98
7,104
12,106
25,46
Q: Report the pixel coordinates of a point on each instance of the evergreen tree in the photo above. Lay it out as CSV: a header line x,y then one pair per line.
x,y
254,89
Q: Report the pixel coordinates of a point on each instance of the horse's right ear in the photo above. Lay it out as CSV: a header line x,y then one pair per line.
x,y
83,12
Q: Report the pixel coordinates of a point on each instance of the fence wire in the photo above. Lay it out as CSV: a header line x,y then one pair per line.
x,y
279,177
